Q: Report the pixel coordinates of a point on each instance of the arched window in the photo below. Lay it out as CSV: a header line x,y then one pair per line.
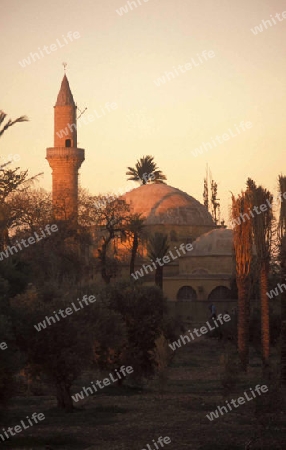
x,y
68,143
186,293
220,293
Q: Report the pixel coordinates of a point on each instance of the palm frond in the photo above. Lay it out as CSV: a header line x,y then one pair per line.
x,y
10,122
157,246
143,168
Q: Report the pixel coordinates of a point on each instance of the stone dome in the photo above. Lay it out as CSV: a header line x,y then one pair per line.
x,y
166,205
217,242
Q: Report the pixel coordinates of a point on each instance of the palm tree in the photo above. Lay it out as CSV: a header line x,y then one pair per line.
x,y
262,232
146,171
135,228
10,122
282,255
242,240
157,247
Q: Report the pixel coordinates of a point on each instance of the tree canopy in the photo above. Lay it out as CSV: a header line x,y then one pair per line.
x,y
146,171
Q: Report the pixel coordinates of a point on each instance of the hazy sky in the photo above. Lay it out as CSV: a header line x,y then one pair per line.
x,y
118,57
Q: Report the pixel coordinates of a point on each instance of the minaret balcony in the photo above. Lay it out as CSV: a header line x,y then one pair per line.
x,y
65,152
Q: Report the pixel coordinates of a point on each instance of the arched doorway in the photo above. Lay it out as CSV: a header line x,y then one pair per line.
x,y
220,293
187,293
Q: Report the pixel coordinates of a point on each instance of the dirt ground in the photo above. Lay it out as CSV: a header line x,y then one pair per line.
x,y
130,418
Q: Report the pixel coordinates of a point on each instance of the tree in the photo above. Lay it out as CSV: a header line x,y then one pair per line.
x,y
10,358
112,223
214,202
242,240
61,258
11,180
31,209
87,210
157,247
262,232
282,257
135,228
8,366
65,348
146,171
206,193
16,274
143,310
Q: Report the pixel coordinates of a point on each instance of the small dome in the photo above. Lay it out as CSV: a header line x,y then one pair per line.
x,y
217,242
163,204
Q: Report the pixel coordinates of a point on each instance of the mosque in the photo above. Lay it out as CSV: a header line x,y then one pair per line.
x,y
205,274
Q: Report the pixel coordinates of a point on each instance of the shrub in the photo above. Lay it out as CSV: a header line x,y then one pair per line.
x,y
10,361
162,357
63,350
227,331
142,310
230,364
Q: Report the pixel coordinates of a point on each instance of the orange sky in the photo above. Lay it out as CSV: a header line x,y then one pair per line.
x,y
117,58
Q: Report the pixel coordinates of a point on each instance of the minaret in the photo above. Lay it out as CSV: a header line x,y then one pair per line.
x,y
65,158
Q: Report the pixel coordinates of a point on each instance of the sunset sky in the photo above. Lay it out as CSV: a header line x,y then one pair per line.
x,y
116,60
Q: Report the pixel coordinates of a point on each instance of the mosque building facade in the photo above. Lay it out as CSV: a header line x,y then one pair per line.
x,y
207,272
204,274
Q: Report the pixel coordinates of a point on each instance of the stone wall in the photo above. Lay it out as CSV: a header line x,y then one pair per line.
x,y
197,311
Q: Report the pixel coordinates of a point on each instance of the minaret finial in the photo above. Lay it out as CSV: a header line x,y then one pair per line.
x,y
65,65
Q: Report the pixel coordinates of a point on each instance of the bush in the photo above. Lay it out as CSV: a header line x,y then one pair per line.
x,y
65,348
142,310
162,357
10,361
227,331
230,363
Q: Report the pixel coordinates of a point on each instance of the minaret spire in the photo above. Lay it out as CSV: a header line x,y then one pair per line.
x,y
65,158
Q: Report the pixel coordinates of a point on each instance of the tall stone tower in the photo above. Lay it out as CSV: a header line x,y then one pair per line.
x,y
65,158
